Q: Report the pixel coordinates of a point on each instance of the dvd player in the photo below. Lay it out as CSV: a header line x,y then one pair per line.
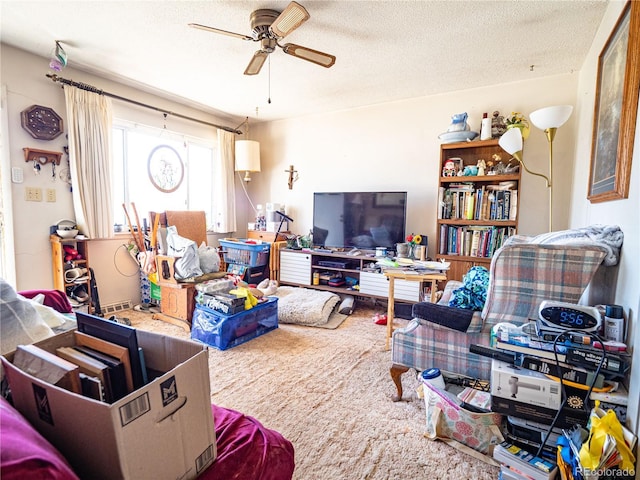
x,y
332,263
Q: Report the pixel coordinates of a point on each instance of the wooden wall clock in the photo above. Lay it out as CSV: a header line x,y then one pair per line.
x,y
41,122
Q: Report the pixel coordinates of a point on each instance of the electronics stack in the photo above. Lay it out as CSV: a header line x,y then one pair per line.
x,y
565,341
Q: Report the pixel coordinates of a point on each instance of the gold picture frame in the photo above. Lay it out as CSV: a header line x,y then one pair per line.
x,y
616,108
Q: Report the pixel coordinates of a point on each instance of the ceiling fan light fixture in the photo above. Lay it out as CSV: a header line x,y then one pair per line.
x,y
291,18
310,55
256,63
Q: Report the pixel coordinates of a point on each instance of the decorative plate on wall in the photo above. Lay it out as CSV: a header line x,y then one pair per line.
x,y
165,168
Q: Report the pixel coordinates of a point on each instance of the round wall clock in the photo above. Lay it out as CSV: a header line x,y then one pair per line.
x,y
165,168
41,122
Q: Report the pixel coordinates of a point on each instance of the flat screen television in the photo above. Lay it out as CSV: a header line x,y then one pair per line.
x,y
359,219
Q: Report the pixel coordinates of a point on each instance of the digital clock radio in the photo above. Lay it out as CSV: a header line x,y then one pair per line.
x,y
556,317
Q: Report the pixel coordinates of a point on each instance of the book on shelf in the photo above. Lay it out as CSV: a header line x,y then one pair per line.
x,y
524,462
48,367
441,203
484,203
513,205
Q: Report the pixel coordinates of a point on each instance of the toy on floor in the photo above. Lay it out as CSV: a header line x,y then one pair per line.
x,y
380,319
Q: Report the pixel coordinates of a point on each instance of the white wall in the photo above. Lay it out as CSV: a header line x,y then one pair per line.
x,y
624,213
395,146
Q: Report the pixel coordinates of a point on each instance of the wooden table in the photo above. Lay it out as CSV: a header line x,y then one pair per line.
x,y
431,278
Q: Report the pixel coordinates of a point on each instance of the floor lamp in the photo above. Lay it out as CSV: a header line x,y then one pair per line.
x,y
548,119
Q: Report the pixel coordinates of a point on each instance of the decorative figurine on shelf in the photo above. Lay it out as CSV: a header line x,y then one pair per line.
x,y
490,170
498,126
482,165
449,168
459,123
470,171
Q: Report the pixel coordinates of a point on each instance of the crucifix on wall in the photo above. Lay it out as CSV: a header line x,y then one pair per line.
x,y
293,176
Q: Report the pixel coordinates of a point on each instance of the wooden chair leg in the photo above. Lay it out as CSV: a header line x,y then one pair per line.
x,y
396,371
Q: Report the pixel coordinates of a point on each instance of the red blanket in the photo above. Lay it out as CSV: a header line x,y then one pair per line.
x,y
246,450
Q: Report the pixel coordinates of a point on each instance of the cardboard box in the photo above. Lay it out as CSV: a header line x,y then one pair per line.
x,y
525,386
567,418
162,430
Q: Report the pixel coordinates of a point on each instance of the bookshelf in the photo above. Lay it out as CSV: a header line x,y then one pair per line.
x,y
476,213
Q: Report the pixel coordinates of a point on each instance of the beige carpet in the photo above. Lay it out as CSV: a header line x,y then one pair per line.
x,y
329,392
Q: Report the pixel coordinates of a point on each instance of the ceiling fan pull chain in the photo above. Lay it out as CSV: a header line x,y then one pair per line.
x,y
269,83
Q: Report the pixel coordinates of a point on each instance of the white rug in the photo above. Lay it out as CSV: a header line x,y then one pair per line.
x,y
305,306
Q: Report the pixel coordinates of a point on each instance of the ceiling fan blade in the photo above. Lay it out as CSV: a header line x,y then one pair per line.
x,y
256,63
223,32
310,55
291,18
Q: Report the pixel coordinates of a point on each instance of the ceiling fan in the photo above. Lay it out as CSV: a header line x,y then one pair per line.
x,y
269,27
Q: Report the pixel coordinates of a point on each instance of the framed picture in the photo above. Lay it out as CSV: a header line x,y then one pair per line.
x,y
165,168
616,107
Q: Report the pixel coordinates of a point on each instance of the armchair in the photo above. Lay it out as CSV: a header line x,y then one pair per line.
x,y
521,276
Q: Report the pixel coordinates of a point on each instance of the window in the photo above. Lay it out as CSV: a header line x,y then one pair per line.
x,y
158,170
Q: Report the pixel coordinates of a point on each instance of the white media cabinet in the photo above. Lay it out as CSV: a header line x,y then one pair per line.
x,y
298,266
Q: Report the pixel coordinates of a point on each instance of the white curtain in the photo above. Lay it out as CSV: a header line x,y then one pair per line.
x,y
90,121
224,220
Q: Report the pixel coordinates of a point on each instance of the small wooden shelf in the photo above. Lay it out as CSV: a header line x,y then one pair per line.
x,y
58,264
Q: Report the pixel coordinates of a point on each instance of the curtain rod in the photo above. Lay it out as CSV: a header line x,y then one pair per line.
x,y
89,88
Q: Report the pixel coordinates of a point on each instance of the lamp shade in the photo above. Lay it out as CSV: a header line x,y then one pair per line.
x,y
247,156
551,117
511,141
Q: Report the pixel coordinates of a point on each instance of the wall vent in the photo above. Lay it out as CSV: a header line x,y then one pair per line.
x,y
116,307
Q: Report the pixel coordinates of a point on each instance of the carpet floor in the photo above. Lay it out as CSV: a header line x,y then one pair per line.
x,y
329,392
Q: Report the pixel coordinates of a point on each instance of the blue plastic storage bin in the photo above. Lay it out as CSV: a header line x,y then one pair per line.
x,y
250,254
225,331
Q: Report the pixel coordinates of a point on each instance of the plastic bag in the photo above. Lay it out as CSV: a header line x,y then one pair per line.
x,y
448,421
605,427
209,259
187,263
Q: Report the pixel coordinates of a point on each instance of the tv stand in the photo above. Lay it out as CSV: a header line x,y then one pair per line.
x,y
297,268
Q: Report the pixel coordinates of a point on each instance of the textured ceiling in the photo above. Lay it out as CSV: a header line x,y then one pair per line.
x,y
386,50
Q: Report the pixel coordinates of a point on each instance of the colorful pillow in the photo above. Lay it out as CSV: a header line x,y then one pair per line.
x,y
25,453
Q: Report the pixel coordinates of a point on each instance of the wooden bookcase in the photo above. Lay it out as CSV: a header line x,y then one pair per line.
x,y
475,213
